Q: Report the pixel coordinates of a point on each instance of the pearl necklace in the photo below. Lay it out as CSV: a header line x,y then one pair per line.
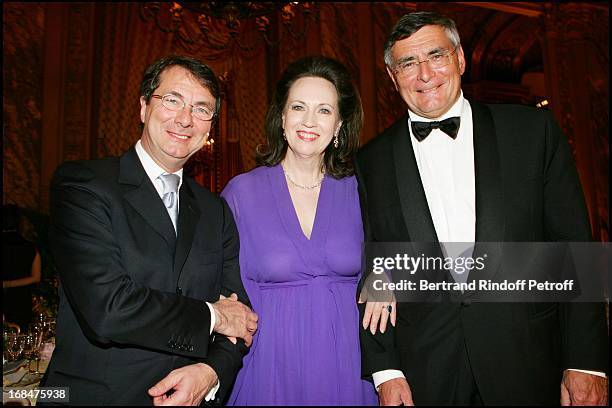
x,y
301,186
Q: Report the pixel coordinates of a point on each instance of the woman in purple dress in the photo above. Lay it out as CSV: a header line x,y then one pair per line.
x,y
301,239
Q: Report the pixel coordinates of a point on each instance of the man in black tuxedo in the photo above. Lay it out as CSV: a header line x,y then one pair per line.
x,y
459,171
148,260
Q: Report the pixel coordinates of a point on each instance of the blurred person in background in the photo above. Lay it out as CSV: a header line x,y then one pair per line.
x,y
21,269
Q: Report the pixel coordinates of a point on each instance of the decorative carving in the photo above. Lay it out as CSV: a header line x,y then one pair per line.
x,y
228,26
506,49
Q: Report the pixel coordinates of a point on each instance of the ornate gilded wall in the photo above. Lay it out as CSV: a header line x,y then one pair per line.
x,y
72,73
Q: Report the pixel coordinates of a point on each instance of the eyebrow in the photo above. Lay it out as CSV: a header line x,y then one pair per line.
x,y
304,103
437,50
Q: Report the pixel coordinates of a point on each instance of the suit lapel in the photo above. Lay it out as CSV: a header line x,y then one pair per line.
x,y
489,194
420,226
189,215
490,216
143,197
490,223
410,188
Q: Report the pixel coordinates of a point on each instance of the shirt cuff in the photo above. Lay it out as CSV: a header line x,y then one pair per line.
x,y
211,394
213,320
597,373
380,377
386,375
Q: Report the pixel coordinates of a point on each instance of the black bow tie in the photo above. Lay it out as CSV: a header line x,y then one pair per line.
x,y
449,126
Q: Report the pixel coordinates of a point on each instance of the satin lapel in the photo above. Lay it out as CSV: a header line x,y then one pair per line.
x,y
143,197
490,216
189,215
410,188
421,230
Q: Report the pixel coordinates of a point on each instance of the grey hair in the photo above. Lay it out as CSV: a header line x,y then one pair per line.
x,y
413,22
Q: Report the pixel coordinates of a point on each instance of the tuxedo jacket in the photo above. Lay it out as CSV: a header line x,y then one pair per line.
x,y
132,292
527,190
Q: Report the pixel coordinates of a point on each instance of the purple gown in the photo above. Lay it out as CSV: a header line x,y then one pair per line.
x,y
306,350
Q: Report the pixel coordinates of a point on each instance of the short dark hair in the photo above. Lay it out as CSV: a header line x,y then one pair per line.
x,y
337,162
201,71
413,22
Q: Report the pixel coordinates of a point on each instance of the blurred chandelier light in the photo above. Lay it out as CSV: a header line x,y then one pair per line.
x,y
225,24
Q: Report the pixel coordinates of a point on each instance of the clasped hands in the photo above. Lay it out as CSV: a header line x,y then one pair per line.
x,y
189,385
234,319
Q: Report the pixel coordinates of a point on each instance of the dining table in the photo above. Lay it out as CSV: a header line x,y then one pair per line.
x,y
20,385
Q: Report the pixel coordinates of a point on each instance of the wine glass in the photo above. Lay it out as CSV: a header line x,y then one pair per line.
x,y
31,347
43,324
14,345
51,329
6,333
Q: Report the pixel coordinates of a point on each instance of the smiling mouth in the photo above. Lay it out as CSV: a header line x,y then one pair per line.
x,y
430,89
179,136
307,136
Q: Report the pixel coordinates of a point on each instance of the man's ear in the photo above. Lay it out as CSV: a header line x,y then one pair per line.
x,y
392,77
461,59
143,109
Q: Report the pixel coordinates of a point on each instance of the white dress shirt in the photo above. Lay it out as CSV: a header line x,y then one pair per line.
x,y
446,167
153,171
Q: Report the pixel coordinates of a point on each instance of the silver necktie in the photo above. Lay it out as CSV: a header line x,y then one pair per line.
x,y
169,197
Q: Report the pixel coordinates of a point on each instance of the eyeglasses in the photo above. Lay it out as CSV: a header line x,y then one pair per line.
x,y
175,103
436,61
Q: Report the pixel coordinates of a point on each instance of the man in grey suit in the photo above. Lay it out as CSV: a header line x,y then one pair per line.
x,y
144,255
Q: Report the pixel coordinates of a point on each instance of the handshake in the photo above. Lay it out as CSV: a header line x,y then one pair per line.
x,y
234,319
